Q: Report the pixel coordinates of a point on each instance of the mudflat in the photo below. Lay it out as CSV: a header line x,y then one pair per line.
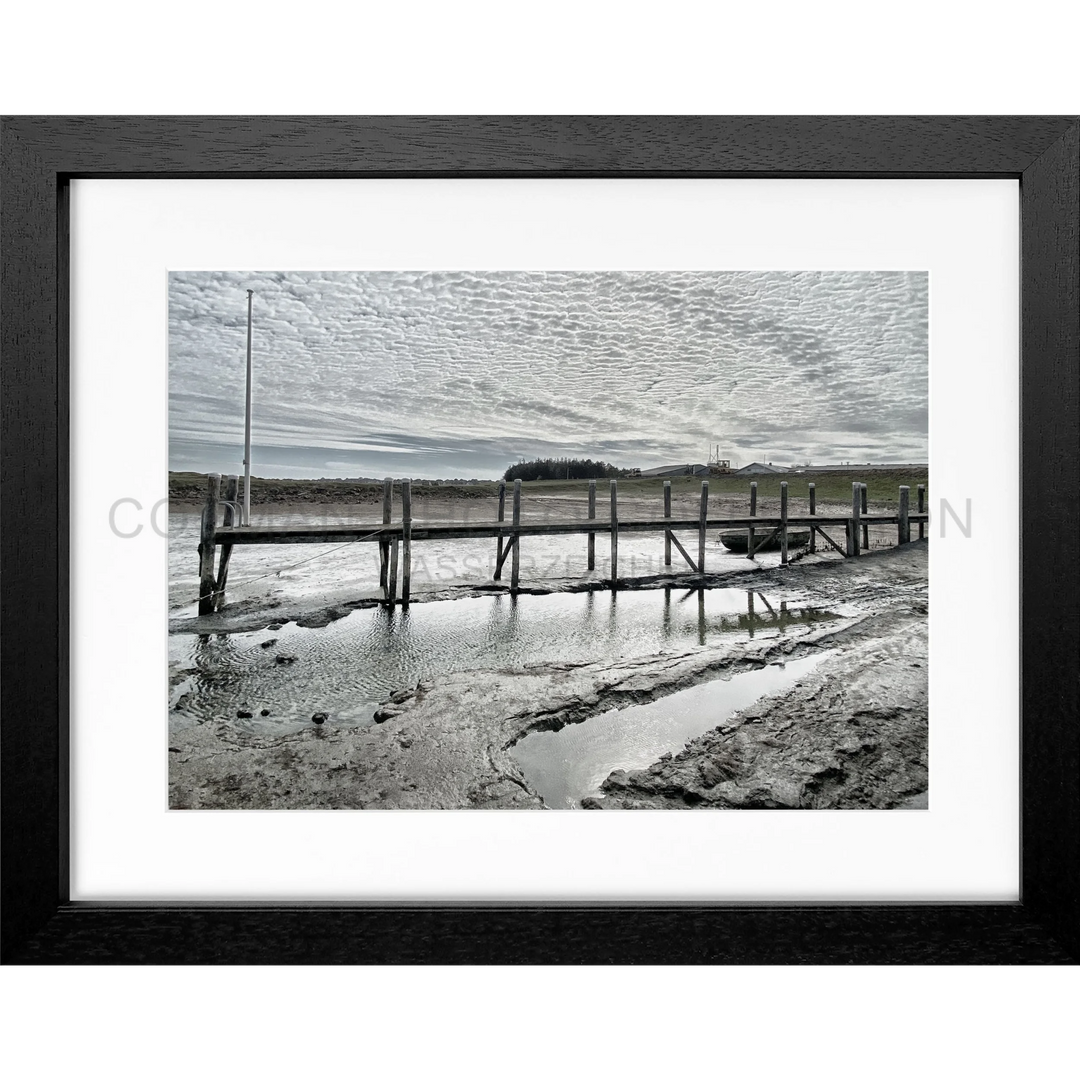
x,y
851,734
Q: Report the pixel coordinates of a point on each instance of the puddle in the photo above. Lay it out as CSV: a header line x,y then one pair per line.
x,y
565,766
347,668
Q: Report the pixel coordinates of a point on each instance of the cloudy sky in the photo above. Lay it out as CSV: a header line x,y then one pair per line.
x,y
459,374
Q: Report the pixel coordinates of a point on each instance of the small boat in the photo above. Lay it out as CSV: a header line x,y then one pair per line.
x,y
737,541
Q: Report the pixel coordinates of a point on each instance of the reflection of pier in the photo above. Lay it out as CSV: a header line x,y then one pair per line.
x,y
777,619
737,622
395,538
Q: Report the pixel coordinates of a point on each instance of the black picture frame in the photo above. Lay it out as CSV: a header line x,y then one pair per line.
x,y
41,155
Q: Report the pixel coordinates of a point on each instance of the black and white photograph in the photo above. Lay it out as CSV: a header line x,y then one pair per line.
x,y
568,540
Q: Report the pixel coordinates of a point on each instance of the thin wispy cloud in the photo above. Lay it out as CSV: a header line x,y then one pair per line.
x,y
444,374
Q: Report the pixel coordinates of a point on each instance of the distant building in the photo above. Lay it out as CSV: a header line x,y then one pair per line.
x,y
856,467
677,470
757,468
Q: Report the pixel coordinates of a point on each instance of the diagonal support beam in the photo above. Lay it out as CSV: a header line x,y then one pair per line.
x,y
825,536
507,548
682,551
768,539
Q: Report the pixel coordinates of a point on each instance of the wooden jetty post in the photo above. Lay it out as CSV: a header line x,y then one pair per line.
x,y
614,534
903,522
207,551
865,524
783,523
384,545
813,512
391,584
232,483
515,565
499,556
592,514
702,518
667,517
406,540
853,521
921,504
753,513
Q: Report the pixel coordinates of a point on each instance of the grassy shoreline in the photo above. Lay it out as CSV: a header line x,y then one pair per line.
x,y
882,486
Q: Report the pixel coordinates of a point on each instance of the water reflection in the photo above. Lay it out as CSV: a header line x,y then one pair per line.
x,y
347,668
566,765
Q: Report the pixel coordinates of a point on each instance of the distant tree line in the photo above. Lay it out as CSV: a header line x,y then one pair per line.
x,y
563,469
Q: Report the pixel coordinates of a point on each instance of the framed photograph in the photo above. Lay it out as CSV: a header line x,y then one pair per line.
x,y
539,412
518,482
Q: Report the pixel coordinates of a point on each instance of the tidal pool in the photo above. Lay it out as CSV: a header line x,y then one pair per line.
x,y
346,669
566,765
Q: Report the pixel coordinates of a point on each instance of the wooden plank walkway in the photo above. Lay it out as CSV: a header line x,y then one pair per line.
x,y
434,530
392,536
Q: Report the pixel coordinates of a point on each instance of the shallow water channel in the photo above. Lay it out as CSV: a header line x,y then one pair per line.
x,y
566,765
346,669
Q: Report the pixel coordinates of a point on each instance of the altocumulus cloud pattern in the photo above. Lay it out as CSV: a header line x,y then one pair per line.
x,y
458,374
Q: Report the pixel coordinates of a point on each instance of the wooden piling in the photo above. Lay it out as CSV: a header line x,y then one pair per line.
x,y
515,564
391,585
614,534
208,526
865,526
903,526
384,545
232,483
667,516
813,511
853,521
921,506
592,514
499,556
703,516
783,523
406,540
753,513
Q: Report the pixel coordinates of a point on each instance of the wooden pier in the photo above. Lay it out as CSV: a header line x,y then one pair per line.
x,y
399,536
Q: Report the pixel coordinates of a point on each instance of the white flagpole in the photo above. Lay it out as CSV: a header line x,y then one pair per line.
x,y
247,425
